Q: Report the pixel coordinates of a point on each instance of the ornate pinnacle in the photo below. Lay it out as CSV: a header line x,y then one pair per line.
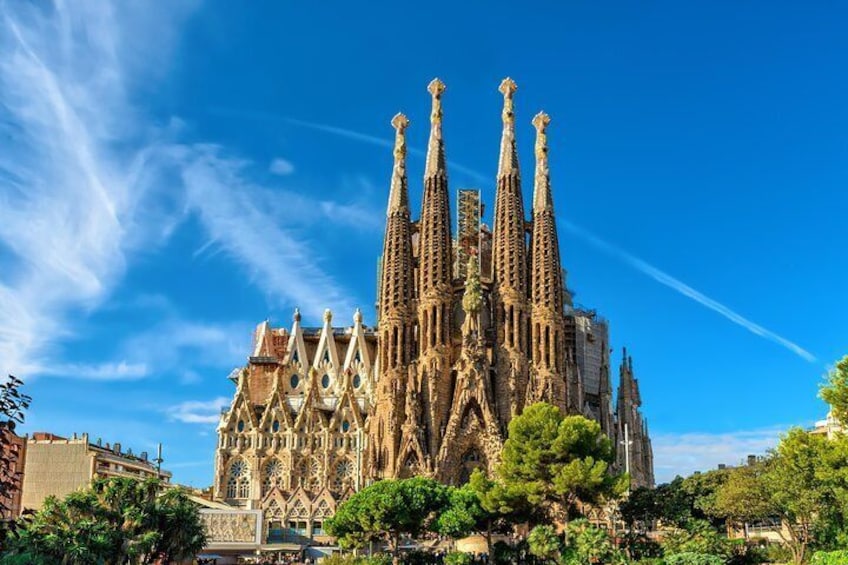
x,y
398,198
542,199
297,314
509,156
357,317
508,88
435,147
328,315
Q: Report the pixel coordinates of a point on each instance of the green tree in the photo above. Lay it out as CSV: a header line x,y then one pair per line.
x,y
545,544
116,521
795,484
701,490
835,390
588,544
640,509
388,509
553,462
696,537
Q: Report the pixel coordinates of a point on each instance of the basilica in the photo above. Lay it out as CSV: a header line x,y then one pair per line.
x,y
471,327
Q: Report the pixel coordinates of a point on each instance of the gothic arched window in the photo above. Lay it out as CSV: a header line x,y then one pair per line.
x,y
272,475
344,471
238,480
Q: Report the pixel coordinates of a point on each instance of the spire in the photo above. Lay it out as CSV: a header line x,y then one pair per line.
x,y
546,271
398,195
435,281
542,199
509,272
509,250
434,243
396,284
508,163
436,146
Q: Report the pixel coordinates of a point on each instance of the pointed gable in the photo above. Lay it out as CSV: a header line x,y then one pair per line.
x,y
241,416
326,361
276,416
358,358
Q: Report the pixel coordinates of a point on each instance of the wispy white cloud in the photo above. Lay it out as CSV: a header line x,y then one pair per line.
x,y
281,167
198,411
67,195
683,454
120,371
87,180
686,290
168,345
230,208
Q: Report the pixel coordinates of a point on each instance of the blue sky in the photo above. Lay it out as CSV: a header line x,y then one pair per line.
x,y
171,177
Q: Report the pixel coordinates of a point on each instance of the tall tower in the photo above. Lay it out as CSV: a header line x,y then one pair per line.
x,y
510,271
637,454
396,318
434,279
549,378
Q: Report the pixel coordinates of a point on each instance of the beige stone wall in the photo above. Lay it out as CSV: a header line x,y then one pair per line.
x,y
54,469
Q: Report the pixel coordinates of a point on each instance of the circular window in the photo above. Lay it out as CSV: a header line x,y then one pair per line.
x,y
295,380
240,425
275,426
325,381
238,468
345,426
356,381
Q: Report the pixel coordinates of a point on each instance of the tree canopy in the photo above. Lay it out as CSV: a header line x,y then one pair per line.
x,y
835,390
554,461
388,509
116,521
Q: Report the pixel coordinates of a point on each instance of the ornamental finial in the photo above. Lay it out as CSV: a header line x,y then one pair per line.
x,y
357,317
328,315
508,88
542,199
435,146
508,162
541,122
398,198
296,314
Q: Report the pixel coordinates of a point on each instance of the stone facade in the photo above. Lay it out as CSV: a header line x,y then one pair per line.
x,y
431,389
58,466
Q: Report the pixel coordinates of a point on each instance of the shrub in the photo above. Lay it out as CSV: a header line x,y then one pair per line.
x,y
829,558
777,553
458,558
691,558
545,543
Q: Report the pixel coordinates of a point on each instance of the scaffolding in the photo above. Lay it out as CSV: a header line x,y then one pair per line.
x,y
469,216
